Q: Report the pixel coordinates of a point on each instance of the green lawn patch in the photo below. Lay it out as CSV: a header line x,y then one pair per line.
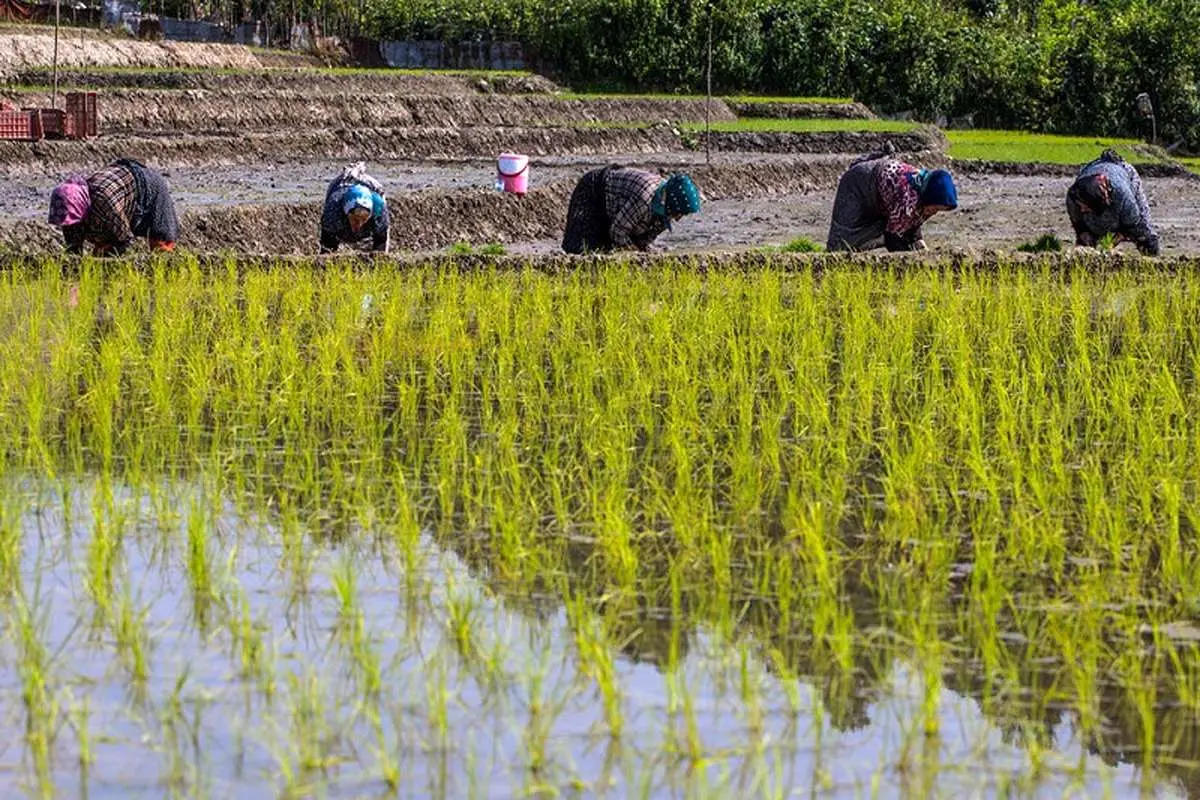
x,y
1018,146
1191,163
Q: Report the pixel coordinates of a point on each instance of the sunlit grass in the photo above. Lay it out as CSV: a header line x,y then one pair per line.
x,y
1022,147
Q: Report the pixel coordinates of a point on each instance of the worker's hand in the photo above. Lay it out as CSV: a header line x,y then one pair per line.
x,y
919,244
1085,239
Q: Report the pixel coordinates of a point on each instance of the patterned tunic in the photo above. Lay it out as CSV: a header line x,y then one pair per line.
x,y
899,197
109,219
127,200
627,196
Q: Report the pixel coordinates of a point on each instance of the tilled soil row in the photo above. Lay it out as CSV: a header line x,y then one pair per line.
x,y
422,143
1029,169
140,111
782,110
350,144
923,138
434,219
310,81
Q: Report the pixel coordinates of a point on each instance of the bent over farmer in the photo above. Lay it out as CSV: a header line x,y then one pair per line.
x,y
884,201
1107,197
355,211
617,207
112,207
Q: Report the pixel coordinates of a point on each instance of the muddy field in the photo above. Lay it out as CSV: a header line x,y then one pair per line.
x,y
249,152
750,204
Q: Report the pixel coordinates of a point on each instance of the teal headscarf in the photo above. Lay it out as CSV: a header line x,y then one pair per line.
x,y
678,194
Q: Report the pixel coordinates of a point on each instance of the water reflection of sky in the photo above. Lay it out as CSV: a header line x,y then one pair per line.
x,y
232,740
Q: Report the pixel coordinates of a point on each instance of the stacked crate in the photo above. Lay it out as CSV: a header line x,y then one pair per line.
x,y
81,115
19,123
79,121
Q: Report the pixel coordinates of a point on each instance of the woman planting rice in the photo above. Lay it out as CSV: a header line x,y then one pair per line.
x,y
355,210
882,201
112,207
619,207
1107,198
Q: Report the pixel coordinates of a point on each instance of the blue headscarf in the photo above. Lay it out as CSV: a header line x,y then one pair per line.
x,y
677,195
939,190
359,197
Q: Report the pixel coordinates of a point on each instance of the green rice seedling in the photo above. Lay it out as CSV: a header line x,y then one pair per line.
x,y
352,631
80,720
1046,243
801,244
38,697
199,565
974,474
132,639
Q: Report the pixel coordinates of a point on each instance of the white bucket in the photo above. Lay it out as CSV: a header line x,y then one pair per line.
x,y
512,173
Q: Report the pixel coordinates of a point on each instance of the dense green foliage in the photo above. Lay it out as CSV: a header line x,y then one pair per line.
x,y
1051,65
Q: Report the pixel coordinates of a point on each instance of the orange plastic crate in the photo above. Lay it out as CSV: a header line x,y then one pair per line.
x,y
20,125
81,115
53,122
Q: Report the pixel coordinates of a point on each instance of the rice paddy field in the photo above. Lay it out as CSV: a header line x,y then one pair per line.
x,y
769,525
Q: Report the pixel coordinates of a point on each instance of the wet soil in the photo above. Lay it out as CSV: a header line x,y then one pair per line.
x,y
412,143
996,212
749,205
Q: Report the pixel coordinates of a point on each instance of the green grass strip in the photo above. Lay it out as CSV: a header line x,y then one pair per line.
x,y
1022,147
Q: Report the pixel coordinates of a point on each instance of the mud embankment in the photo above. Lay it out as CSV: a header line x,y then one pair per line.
x,y
77,48
412,143
1028,169
310,81
920,139
433,219
949,261
783,110
352,144
141,111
